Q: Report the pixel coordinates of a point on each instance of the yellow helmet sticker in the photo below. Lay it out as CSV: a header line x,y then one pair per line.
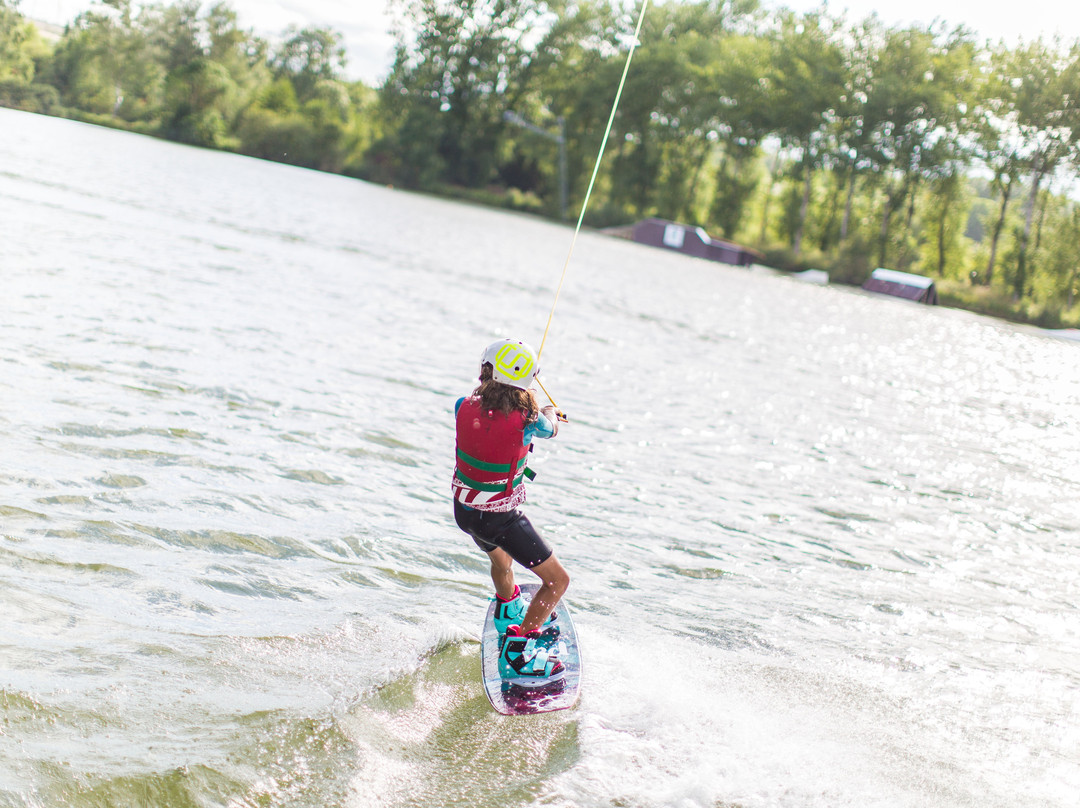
x,y
514,362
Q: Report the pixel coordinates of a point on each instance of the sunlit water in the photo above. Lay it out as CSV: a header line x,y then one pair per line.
x,y
823,544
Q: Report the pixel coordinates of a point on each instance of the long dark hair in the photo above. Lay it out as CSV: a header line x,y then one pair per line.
x,y
495,395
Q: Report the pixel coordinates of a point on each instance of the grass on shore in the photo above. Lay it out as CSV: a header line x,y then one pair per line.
x,y
995,301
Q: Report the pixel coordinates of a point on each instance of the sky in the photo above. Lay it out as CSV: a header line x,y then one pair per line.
x,y
364,24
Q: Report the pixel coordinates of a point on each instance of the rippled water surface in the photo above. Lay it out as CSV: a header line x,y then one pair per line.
x,y
824,545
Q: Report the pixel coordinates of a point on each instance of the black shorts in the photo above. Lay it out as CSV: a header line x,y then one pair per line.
x,y
510,530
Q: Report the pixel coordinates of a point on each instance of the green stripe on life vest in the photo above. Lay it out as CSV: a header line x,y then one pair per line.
x,y
485,466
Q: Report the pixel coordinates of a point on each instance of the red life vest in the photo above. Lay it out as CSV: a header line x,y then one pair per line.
x,y
491,459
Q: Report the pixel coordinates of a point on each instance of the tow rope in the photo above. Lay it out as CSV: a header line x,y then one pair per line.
x,y
585,203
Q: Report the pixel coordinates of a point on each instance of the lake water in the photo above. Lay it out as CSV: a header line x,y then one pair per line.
x,y
823,545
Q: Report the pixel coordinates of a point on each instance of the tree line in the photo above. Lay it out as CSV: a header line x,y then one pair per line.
x,y
824,142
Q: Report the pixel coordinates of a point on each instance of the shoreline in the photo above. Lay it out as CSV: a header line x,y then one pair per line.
x,y
952,294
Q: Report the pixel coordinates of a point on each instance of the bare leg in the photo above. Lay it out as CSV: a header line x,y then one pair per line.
x,y
554,581
502,573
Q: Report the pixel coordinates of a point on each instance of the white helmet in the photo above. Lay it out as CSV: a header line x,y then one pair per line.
x,y
512,362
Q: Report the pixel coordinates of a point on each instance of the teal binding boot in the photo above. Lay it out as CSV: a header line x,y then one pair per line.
x,y
509,612
530,660
512,612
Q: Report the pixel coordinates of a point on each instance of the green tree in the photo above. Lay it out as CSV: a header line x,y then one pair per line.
x,y
192,109
308,58
458,68
946,217
913,116
20,48
649,138
851,139
1043,107
240,52
1060,259
948,152
574,79
175,32
313,134
364,128
741,119
16,61
997,141
1005,165
105,64
702,73
805,81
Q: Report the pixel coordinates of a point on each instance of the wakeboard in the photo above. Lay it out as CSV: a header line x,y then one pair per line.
x,y
546,695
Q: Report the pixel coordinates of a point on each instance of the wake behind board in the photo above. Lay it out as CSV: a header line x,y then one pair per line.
x,y
545,696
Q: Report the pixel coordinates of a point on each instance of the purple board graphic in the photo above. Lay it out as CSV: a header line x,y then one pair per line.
x,y
545,697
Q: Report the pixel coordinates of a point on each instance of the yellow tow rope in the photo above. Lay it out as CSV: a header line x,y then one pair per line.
x,y
585,204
